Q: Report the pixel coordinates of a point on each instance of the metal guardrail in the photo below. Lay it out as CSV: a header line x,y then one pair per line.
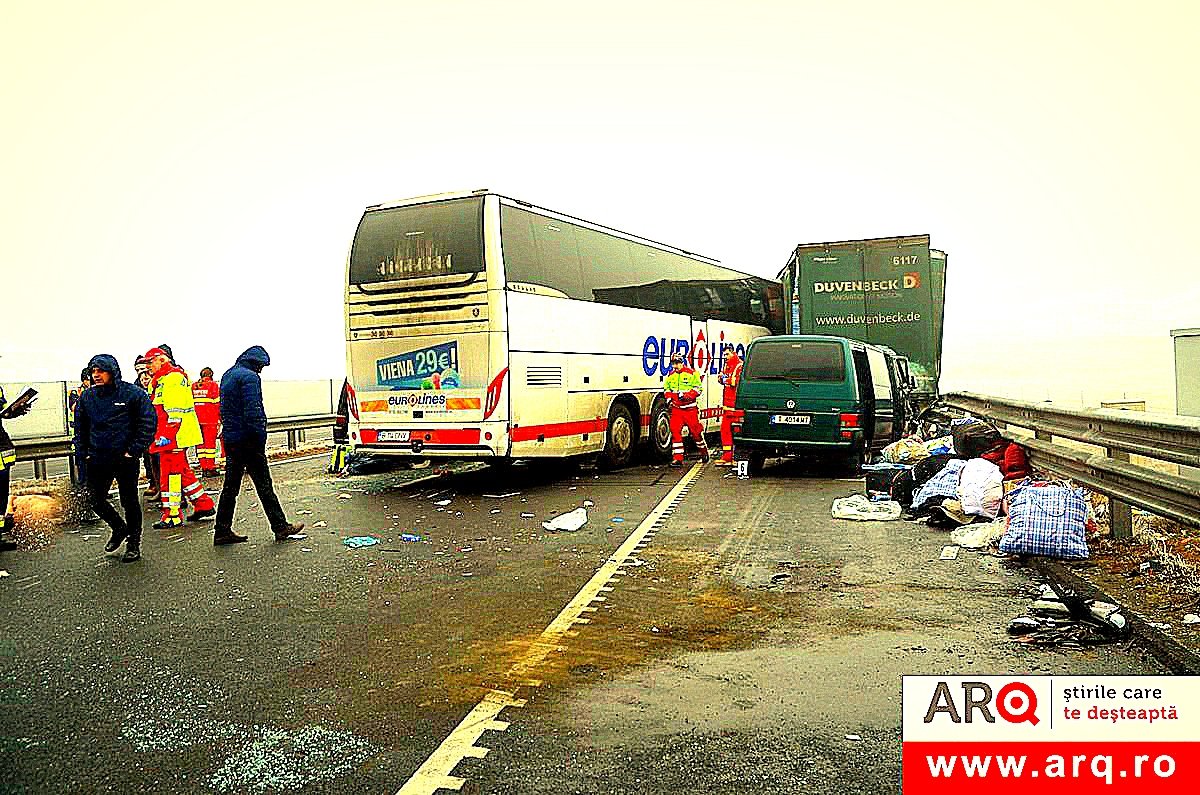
x,y
1121,434
39,451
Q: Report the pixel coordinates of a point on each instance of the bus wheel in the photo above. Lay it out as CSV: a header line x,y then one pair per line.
x,y
618,446
658,447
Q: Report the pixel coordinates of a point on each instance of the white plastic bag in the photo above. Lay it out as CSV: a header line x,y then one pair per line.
x,y
569,522
979,536
981,488
858,507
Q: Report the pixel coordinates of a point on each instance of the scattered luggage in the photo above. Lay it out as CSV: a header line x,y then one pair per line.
x,y
1048,519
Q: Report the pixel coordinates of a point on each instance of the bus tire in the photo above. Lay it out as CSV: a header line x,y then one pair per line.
x,y
658,446
620,438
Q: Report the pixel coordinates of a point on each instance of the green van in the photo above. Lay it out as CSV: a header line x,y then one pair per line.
x,y
830,397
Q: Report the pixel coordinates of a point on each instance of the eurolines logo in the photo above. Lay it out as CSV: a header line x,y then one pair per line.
x,y
910,281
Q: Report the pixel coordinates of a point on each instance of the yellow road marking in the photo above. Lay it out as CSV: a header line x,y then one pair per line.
x,y
435,772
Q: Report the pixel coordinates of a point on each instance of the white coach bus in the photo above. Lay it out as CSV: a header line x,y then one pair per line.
x,y
482,326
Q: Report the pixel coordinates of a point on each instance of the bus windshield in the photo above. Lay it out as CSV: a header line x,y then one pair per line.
x,y
812,361
437,239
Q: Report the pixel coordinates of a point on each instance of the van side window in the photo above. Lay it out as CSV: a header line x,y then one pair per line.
x,y
881,379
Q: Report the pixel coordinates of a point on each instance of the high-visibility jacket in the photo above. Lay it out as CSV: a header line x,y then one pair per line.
x,y
207,395
683,387
176,410
8,451
730,377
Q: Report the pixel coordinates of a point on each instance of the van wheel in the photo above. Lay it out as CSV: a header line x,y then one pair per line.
x,y
618,445
658,448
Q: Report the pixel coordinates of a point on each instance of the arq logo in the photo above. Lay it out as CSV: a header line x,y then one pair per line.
x,y
1016,702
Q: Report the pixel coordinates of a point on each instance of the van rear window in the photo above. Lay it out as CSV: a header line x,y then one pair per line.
x,y
818,361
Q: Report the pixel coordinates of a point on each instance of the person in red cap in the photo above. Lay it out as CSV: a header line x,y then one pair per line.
x,y
730,376
178,429
207,394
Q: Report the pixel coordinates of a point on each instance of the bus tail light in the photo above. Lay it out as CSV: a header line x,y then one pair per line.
x,y
351,400
493,393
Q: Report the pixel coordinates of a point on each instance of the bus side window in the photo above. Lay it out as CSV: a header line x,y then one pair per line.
x,y
540,250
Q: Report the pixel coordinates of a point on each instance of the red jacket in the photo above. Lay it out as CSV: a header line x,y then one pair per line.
x,y
1011,460
207,394
730,377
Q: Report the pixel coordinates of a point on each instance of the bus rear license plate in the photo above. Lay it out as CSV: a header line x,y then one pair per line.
x,y
393,436
791,419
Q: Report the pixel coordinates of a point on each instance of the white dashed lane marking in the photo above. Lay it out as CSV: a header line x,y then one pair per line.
x,y
436,772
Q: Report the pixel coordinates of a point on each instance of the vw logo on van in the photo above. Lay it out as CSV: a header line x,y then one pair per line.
x,y
791,404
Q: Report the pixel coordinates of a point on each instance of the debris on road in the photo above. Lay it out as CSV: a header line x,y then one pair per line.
x,y
345,496
304,513
854,737
503,496
321,524
569,522
297,536
1061,618
527,516
442,503
949,553
588,503
1191,618
979,536
355,542
495,510
410,537
859,508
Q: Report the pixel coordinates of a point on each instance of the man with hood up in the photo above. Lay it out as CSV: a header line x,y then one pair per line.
x,y
114,424
244,424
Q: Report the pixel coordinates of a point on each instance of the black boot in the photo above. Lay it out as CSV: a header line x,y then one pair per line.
x,y
133,550
115,541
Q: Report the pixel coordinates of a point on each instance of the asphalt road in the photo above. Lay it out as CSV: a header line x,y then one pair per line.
x,y
742,644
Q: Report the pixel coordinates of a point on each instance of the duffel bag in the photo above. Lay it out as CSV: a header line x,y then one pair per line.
x,y
1046,519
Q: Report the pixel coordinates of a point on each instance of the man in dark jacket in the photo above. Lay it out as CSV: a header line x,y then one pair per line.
x,y
244,424
114,425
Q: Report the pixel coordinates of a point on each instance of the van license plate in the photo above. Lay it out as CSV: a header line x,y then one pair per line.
x,y
791,419
393,436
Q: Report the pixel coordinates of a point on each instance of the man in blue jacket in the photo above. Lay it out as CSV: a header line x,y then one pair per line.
x,y
114,425
244,432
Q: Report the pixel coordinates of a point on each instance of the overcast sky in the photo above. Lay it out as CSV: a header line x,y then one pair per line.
x,y
194,173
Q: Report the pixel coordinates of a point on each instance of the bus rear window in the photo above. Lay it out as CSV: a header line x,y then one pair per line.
x,y
422,240
815,361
